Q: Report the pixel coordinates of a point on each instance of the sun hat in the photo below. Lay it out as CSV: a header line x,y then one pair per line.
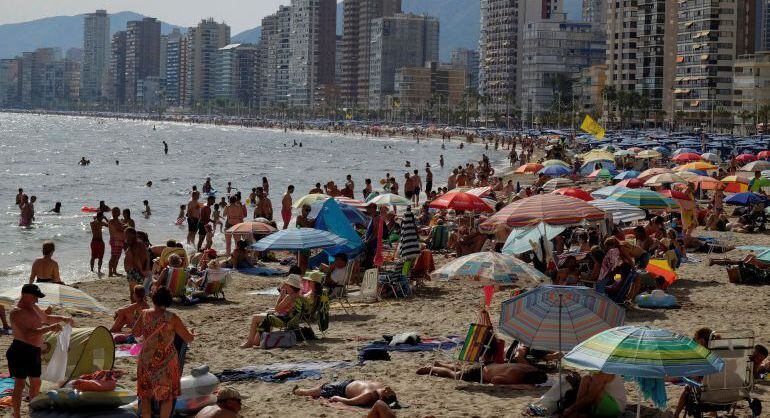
x,y
315,276
294,281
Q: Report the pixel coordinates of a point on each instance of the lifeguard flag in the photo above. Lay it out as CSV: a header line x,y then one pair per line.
x,y
592,127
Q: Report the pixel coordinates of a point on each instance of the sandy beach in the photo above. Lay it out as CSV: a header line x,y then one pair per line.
x,y
704,293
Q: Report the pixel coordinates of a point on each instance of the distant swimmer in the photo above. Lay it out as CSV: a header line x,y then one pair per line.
x,y
147,211
295,143
165,148
300,144
153,128
207,189
441,161
56,208
83,161
149,184
103,207
117,162
408,164
443,146
462,145
27,212
19,197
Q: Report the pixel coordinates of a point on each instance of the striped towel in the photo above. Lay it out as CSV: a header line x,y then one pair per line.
x,y
409,245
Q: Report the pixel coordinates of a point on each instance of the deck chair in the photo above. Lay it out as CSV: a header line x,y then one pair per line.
x,y
721,392
340,292
439,238
176,281
477,342
214,283
368,290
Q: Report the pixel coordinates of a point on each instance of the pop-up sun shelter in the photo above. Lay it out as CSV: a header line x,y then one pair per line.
x,y
90,349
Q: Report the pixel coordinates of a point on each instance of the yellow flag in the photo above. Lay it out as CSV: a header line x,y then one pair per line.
x,y
592,127
348,114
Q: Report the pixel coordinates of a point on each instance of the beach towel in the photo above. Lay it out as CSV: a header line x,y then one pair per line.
x,y
267,372
409,244
260,271
6,384
426,344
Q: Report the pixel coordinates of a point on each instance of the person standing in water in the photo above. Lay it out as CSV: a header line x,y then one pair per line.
x,y
428,180
286,203
193,214
45,269
165,148
441,160
204,222
19,198
27,212
117,238
97,241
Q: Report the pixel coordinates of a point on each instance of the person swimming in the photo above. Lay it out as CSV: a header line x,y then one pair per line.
x,y
56,208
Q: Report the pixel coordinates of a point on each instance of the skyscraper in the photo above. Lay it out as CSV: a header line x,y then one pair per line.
x,y
595,12
116,88
467,60
10,70
765,32
313,44
622,24
656,53
498,51
235,74
275,57
398,41
204,41
96,54
356,44
142,53
176,68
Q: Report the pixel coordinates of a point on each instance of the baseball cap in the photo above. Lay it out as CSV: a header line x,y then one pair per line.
x,y
228,392
32,289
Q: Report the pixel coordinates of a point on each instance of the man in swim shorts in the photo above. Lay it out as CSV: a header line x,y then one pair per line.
x,y
136,261
355,393
193,215
97,241
23,355
496,374
117,239
204,221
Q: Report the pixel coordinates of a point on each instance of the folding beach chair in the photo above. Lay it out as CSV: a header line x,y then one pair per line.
x,y
215,282
439,238
721,392
340,292
176,281
368,290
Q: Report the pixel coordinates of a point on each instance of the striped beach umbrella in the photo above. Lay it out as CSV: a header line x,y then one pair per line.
x,y
60,296
574,192
644,352
249,228
459,200
555,171
649,153
625,175
557,318
358,204
642,199
697,165
391,199
297,239
607,191
652,172
490,268
736,184
602,174
549,163
548,208
620,211
759,165
665,178
309,199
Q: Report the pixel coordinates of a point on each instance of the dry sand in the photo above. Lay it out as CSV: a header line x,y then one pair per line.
x,y
706,297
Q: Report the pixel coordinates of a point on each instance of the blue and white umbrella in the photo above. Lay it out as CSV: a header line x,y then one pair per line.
x,y
606,192
352,214
297,239
555,171
630,174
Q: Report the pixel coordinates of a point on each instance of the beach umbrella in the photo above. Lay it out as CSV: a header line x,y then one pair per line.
x,y
683,151
550,163
518,241
606,191
736,184
746,199
759,165
459,200
391,199
686,157
662,150
625,175
649,153
624,153
642,198
555,171
620,211
557,183
480,191
489,268
529,168
632,183
706,183
643,351
310,199
665,178
601,174
358,204
548,208
59,296
653,172
250,228
297,239
763,155
697,165
597,155
745,158
711,157
574,192
557,318
353,214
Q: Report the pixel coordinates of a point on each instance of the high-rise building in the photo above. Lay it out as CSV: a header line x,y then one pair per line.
x,y
595,12
588,89
275,59
61,84
204,41
751,86
39,61
10,71
236,73
468,61
96,54
175,84
116,87
711,35
401,40
498,51
622,25
656,51
313,44
77,55
338,61
416,87
356,46
765,25
142,53
554,50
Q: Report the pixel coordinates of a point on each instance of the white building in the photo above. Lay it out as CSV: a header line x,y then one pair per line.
x,y
96,54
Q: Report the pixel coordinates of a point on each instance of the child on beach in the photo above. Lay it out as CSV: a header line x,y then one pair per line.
x,y
181,217
216,217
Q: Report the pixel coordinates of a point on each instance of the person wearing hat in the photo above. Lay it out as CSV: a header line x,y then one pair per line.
x,y
228,404
29,323
284,308
315,278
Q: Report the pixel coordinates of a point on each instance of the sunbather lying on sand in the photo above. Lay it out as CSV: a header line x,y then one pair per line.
x,y
356,393
496,374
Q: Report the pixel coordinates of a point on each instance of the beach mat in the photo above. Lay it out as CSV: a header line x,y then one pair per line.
x,y
260,271
109,413
426,344
267,372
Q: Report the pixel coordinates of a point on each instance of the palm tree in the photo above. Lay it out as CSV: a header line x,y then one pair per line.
x,y
764,115
745,115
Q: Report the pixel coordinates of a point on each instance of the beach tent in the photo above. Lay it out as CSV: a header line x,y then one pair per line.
x,y
332,219
90,349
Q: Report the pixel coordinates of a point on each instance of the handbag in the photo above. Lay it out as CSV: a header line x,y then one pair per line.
x,y
278,339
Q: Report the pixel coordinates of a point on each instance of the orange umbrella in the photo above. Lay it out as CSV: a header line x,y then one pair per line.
x,y
529,168
736,184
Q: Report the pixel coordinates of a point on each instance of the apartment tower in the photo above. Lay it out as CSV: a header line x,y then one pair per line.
x,y
313,45
498,50
96,54
204,42
142,54
275,58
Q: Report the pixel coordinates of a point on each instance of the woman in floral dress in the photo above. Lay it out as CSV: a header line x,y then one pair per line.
x,y
157,376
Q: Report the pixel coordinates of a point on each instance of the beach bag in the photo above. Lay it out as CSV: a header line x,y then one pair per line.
x,y
56,370
278,339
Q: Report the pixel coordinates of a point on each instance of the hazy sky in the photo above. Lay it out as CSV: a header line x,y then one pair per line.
x,y
239,14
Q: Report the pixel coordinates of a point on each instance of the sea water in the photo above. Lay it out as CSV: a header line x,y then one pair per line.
x,y
40,154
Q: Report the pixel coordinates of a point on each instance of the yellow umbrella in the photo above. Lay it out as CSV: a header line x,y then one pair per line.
x,y
309,199
597,155
649,153
697,165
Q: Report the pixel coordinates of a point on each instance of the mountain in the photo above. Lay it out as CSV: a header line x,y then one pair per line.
x,y
60,31
460,23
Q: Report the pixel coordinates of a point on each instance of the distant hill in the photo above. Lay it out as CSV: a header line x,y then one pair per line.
x,y
60,31
250,36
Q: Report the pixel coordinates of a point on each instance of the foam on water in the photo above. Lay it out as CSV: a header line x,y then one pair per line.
x,y
40,154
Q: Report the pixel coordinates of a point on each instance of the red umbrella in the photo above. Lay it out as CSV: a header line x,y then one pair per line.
x,y
763,155
529,168
574,192
632,183
552,209
745,158
686,157
458,200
